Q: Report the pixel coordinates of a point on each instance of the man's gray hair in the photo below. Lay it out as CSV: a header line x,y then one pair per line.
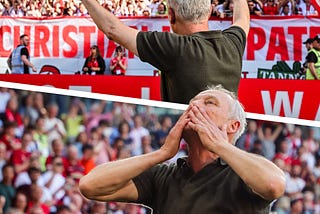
x,y
236,112
191,10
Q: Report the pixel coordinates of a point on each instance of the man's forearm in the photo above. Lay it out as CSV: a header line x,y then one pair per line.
x,y
313,71
241,15
108,178
111,26
28,63
260,174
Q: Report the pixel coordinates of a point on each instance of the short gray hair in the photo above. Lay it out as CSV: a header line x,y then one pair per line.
x,y
236,112
191,10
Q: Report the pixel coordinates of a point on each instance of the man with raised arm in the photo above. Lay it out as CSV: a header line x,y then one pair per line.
x,y
190,58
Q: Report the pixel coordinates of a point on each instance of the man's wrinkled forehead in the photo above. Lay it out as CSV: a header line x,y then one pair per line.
x,y
212,93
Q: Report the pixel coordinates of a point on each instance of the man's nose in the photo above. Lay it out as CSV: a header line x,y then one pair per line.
x,y
196,102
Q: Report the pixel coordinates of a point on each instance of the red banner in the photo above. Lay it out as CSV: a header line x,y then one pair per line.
x,y
136,87
289,98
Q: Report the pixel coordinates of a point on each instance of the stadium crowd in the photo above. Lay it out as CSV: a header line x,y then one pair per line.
x,y
47,142
147,8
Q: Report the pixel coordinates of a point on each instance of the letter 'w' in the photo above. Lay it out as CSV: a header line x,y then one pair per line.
x,y
282,99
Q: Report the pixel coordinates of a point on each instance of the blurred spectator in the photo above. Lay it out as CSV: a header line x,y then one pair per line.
x,y
159,135
88,160
296,205
63,210
81,139
162,10
29,112
33,10
57,151
74,169
94,63
257,147
103,150
8,9
42,140
12,114
146,144
4,98
295,141
282,205
24,179
123,132
3,158
19,203
308,202
136,133
309,142
82,11
54,179
286,7
34,204
20,157
53,125
154,7
17,8
96,114
225,9
9,138
246,141
270,7
77,202
299,5
119,63
6,188
268,136
98,207
283,153
253,9
295,184
308,9
74,120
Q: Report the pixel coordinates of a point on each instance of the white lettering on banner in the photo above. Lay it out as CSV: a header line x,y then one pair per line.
x,y
282,98
81,88
145,93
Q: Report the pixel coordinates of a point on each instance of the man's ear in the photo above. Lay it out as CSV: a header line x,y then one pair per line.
x,y
233,126
172,16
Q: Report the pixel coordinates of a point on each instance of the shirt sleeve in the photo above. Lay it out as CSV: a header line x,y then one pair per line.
x,y
145,187
311,57
24,51
159,48
237,36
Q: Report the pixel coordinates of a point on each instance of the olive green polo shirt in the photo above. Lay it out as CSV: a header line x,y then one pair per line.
x,y
175,188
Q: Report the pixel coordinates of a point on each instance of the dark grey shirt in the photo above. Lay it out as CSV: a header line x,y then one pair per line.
x,y
175,188
189,64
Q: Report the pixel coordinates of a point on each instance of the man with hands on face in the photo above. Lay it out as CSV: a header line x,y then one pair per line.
x,y
216,177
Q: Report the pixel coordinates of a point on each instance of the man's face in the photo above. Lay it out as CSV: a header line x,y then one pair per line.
x,y
216,104
308,46
25,41
315,44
